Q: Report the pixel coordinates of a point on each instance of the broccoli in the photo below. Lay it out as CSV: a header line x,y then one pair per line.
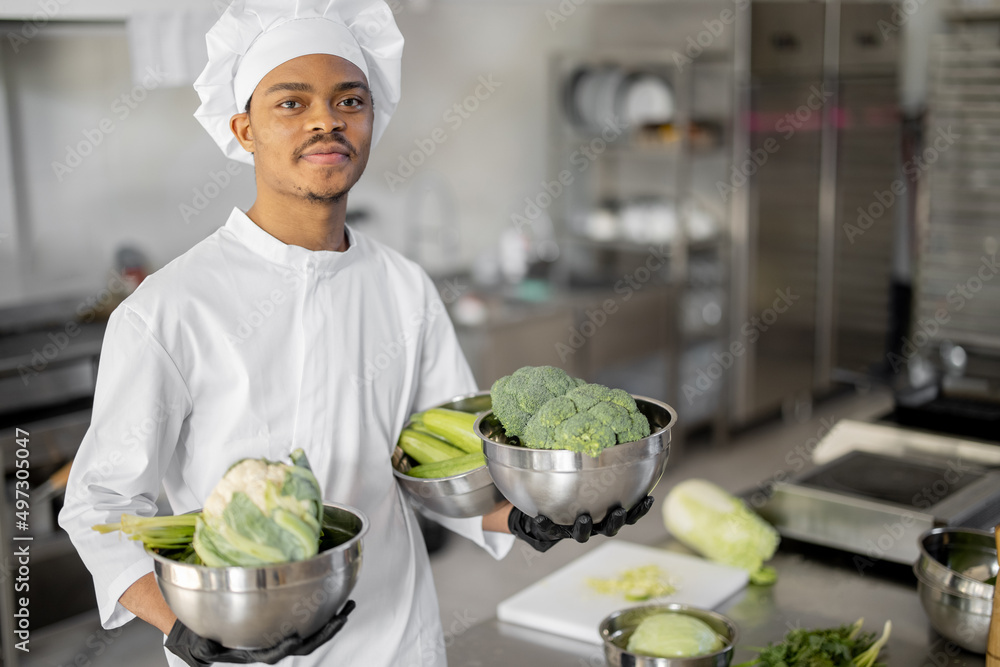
x,y
586,419
518,396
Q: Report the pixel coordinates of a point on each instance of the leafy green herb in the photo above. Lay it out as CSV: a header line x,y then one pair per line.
x,y
845,646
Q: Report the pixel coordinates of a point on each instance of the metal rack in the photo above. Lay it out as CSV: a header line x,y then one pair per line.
x,y
695,273
957,288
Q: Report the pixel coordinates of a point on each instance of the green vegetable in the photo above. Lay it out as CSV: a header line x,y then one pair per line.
x,y
670,635
260,512
442,443
765,576
518,396
455,466
453,426
419,427
721,528
587,419
156,532
426,448
637,583
845,646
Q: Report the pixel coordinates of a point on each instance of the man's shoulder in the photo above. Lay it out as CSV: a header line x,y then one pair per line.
x,y
391,259
183,276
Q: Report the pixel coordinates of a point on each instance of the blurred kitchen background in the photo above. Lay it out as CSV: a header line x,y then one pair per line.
x,y
743,208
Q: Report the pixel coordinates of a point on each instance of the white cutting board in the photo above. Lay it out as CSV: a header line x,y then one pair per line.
x,y
563,603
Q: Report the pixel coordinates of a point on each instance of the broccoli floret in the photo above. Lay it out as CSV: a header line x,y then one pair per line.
x,y
614,417
584,433
586,419
543,424
518,396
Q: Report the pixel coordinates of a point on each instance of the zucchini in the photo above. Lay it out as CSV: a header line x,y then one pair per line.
x,y
450,467
425,448
454,426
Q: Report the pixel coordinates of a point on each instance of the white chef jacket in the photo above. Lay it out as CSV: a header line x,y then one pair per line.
x,y
247,347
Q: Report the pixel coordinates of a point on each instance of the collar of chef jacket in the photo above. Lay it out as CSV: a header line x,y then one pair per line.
x,y
292,256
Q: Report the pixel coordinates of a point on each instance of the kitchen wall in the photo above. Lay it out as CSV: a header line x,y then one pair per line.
x,y
488,161
101,160
152,177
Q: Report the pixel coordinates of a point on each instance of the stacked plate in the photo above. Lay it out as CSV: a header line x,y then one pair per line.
x,y
608,96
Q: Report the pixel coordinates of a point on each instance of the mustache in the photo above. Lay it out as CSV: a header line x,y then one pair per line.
x,y
332,140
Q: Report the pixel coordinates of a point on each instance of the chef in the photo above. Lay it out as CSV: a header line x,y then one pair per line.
x,y
285,328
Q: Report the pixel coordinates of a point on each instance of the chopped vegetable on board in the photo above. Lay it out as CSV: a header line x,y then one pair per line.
x,y
637,583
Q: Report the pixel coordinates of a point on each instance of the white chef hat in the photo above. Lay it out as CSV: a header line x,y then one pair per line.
x,y
254,36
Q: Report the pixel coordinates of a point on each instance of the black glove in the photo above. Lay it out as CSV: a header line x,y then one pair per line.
x,y
541,533
200,652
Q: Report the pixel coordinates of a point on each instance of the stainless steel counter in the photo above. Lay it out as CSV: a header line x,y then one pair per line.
x,y
816,588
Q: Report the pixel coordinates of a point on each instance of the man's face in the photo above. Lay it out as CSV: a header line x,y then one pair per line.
x,y
309,127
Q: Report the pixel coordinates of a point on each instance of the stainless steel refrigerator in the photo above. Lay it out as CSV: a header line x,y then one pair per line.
x,y
816,150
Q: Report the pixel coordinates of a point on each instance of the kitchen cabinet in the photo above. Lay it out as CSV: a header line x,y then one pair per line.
x,y
636,329
60,586
588,333
48,362
527,339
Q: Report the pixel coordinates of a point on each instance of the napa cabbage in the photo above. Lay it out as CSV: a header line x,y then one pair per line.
x,y
721,528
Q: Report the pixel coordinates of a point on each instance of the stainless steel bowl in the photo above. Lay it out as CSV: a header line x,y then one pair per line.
x,y
255,607
951,569
465,495
562,484
617,629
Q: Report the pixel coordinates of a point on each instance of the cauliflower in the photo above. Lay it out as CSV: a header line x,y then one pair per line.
x,y
587,419
261,512
518,396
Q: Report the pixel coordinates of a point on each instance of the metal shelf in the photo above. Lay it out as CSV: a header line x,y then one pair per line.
x,y
670,165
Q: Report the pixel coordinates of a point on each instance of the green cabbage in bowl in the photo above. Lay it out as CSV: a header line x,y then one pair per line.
x,y
670,635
